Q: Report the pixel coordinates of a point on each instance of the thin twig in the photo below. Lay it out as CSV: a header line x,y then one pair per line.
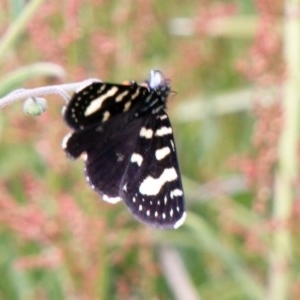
x,y
60,89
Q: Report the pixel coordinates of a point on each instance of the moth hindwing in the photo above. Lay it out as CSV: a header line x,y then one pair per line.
x,y
130,155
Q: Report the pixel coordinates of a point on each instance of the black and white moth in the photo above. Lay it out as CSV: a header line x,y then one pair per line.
x,y
127,138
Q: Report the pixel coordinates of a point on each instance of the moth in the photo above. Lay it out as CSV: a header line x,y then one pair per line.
x,y
127,140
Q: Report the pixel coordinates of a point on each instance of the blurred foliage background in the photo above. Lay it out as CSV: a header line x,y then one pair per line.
x,y
227,61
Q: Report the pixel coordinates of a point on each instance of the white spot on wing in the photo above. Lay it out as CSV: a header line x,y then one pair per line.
x,y
136,158
176,193
65,140
151,186
163,117
180,221
146,133
112,200
89,182
84,156
135,94
97,102
63,110
165,200
163,131
162,153
121,96
101,89
172,144
127,105
106,116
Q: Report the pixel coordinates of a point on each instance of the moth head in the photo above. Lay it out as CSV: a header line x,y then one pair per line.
x,y
158,80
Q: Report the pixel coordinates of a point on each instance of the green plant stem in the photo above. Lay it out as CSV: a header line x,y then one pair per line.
x,y
212,243
17,78
18,26
287,173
